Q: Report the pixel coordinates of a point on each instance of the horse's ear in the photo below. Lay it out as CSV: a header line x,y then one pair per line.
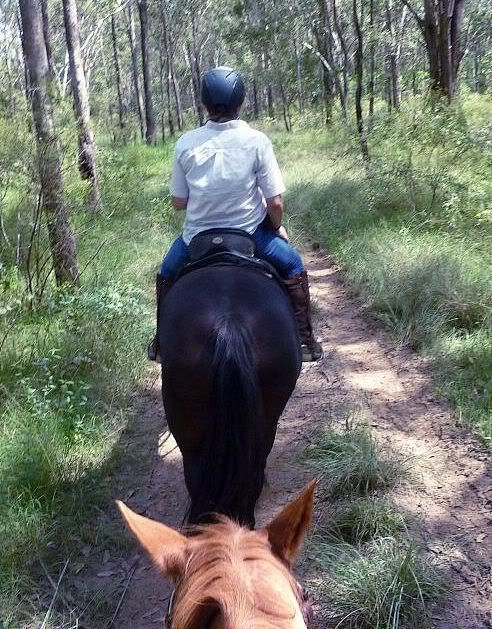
x,y
287,530
165,546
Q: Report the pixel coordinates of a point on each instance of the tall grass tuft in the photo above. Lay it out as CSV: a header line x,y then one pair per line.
x,y
382,587
351,462
361,520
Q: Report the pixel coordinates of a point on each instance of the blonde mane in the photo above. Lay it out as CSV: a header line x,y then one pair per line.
x,y
232,570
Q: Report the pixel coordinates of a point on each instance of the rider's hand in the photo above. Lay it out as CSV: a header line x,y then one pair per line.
x,y
282,232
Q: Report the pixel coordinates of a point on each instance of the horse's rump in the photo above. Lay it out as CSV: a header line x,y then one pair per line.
x,y
230,355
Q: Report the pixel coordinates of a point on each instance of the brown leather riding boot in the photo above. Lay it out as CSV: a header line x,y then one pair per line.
x,y
162,286
298,288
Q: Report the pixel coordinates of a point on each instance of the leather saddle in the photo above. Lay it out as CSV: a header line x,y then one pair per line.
x,y
226,247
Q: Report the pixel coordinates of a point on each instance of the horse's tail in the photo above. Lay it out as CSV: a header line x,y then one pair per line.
x,y
233,458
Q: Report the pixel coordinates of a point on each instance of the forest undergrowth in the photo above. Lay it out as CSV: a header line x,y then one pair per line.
x,y
412,230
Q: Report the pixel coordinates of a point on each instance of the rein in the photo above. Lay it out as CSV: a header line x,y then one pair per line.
x,y
168,620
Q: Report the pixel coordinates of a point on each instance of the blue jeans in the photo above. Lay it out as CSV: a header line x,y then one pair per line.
x,y
275,250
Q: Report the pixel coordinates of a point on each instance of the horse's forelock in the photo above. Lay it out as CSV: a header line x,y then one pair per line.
x,y
232,570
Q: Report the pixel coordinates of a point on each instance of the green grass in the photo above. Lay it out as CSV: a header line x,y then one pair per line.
x,y
369,573
351,462
67,367
412,232
361,520
384,586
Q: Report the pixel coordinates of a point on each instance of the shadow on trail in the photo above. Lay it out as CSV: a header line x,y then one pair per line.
x,y
107,575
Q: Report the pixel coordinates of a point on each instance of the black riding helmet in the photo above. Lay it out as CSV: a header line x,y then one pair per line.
x,y
222,90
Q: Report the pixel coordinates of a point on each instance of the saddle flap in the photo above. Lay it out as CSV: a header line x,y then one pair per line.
x,y
222,240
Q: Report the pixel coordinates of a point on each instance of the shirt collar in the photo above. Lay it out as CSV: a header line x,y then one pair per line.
x,y
223,126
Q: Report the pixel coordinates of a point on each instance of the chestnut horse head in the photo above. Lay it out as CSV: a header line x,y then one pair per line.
x,y
230,577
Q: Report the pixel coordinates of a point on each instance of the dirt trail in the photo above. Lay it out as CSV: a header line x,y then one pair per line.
x,y
450,502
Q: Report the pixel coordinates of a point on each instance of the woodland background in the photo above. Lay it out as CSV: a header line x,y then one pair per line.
x,y
381,115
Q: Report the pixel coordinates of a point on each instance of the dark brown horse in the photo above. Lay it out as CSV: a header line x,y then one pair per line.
x,y
231,359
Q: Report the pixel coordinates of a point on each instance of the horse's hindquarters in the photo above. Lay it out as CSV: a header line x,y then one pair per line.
x,y
231,359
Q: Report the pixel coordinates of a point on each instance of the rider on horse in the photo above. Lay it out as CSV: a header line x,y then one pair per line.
x,y
226,175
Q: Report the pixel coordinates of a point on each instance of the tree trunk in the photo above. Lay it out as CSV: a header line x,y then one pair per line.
x,y
195,83
136,87
61,238
162,69
372,64
46,33
121,109
196,72
256,109
344,47
430,32
328,47
177,99
169,68
150,128
87,146
359,70
326,76
300,91
285,109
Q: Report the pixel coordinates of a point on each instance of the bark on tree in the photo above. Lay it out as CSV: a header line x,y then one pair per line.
x,y
150,127
195,83
343,44
300,90
46,33
61,238
117,71
359,73
326,76
329,47
87,146
441,28
165,42
285,109
254,96
372,65
162,70
136,86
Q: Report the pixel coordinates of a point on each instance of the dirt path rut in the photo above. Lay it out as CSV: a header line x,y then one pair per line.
x,y
450,500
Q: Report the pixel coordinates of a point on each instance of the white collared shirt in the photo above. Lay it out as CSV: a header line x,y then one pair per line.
x,y
226,171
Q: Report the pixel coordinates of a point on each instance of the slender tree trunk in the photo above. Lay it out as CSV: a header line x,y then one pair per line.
x,y
300,91
195,84
196,72
270,105
326,76
372,65
344,47
162,69
46,33
359,70
169,71
256,109
177,99
328,47
61,238
150,128
87,146
136,87
285,109
121,109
